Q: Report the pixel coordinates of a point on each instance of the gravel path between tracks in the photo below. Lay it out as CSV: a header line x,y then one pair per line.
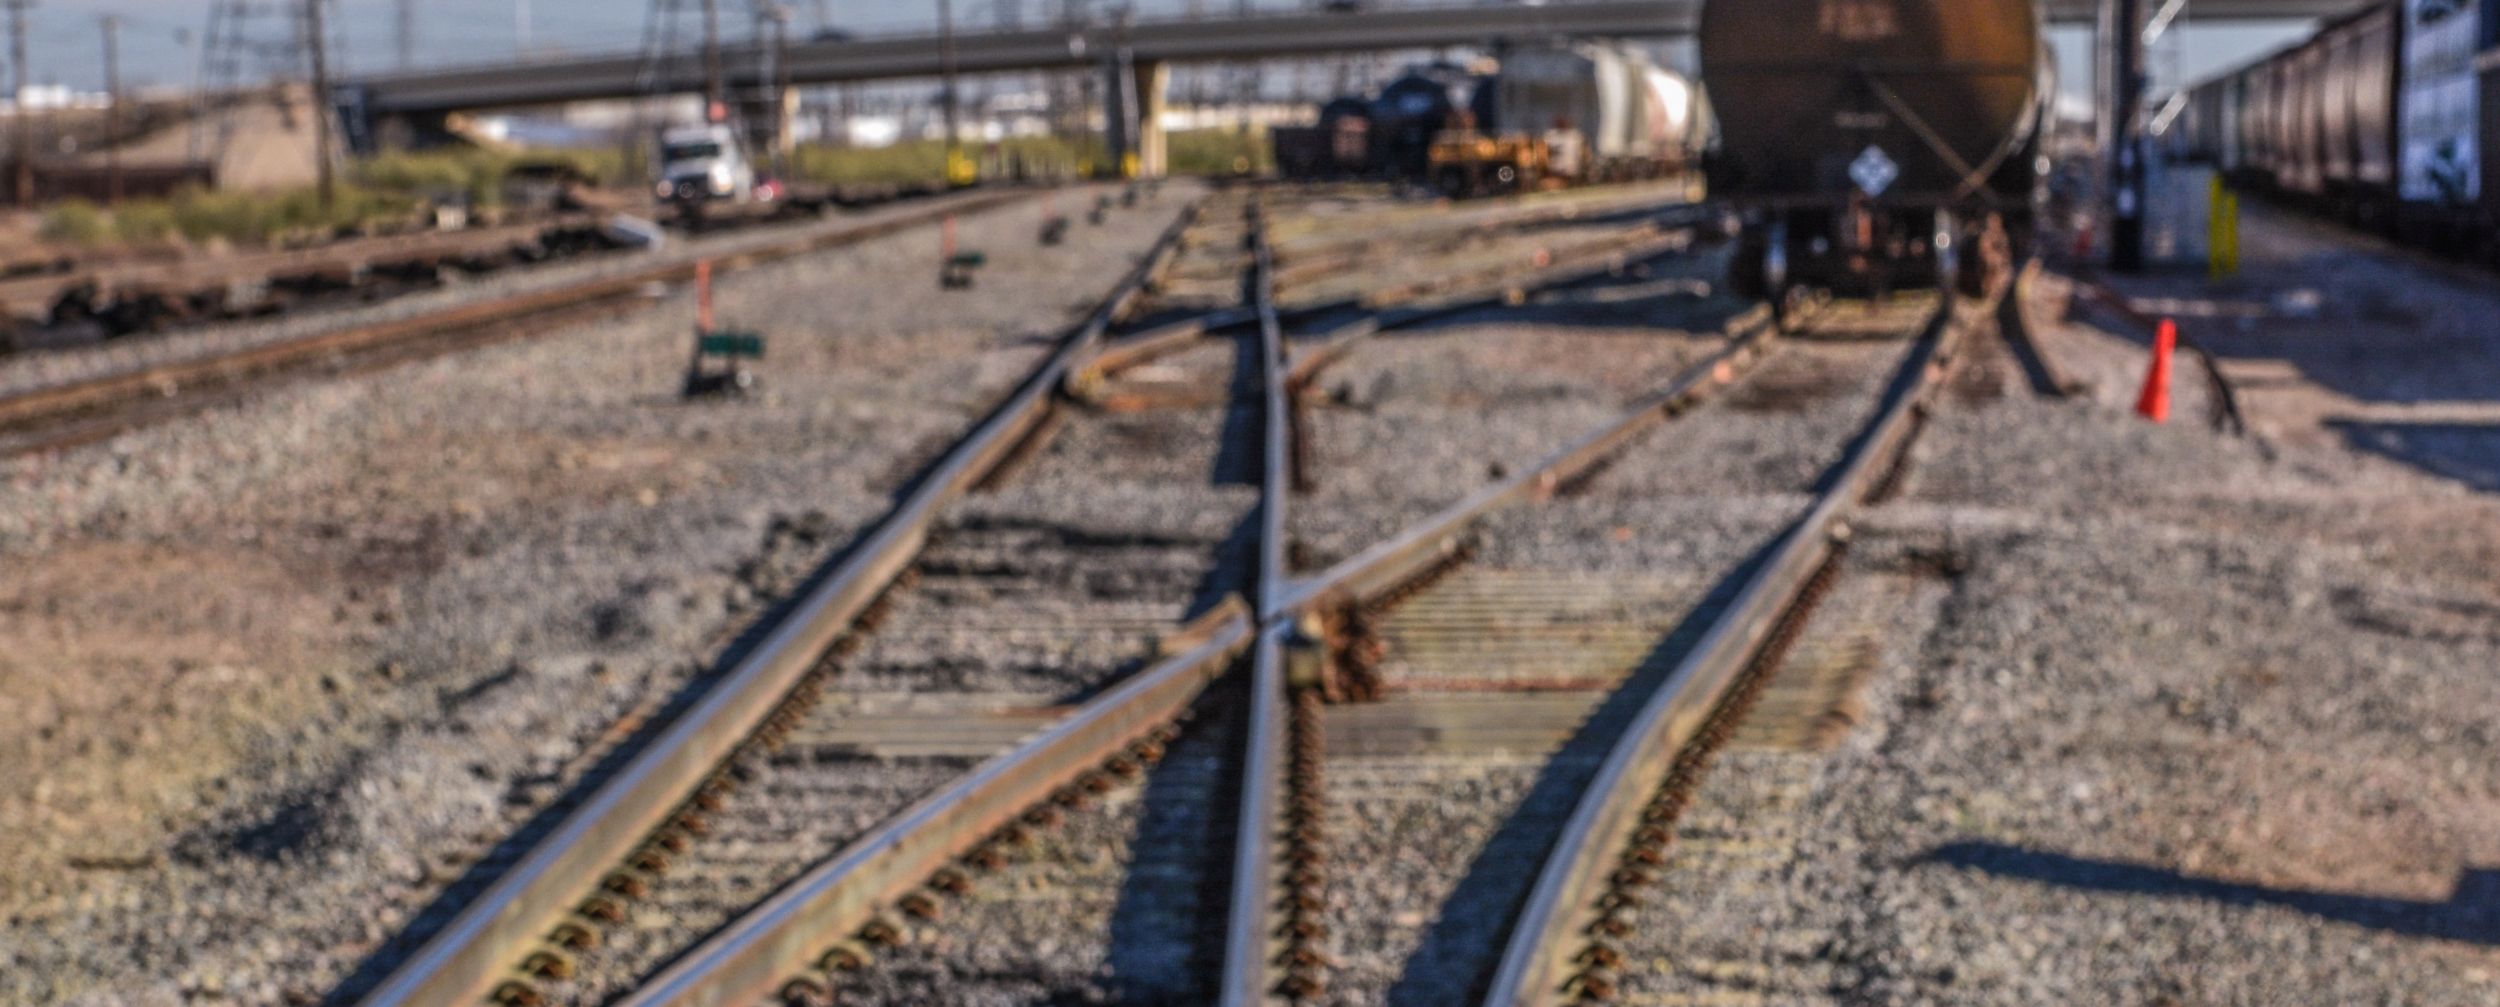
x,y
285,665
2190,724
1413,420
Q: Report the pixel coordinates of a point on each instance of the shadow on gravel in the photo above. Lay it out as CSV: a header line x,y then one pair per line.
x,y
1452,962
1240,452
2466,452
2471,913
1166,937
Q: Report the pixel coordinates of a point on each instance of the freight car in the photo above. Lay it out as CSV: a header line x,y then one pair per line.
x,y
1577,113
2377,119
1865,143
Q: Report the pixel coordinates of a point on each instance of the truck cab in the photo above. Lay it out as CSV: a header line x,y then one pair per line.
x,y
704,164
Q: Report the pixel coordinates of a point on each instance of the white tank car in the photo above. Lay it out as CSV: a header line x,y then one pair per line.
x,y
1632,117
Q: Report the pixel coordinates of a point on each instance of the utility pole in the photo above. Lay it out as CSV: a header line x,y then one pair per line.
x,y
317,41
715,95
785,107
22,126
404,35
2122,39
112,109
946,90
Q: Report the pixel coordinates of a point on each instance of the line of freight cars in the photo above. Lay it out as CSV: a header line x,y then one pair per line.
x,y
2387,118
1562,114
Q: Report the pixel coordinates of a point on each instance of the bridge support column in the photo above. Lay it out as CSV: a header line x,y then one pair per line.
x,y
1119,123
1152,78
400,132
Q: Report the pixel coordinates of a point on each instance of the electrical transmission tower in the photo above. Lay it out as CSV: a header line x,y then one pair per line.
x,y
249,43
677,55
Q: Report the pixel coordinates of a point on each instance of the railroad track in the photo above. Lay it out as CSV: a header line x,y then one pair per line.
x,y
1277,945
87,409
637,856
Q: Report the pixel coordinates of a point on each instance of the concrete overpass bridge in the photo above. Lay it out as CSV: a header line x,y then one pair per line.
x,y
382,106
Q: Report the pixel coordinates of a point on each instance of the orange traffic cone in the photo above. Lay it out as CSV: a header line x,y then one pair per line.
x,y
2154,404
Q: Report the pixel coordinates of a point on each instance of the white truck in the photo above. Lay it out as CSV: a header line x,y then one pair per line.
x,y
708,163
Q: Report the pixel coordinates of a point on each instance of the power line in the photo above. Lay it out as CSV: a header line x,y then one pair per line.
x,y
319,46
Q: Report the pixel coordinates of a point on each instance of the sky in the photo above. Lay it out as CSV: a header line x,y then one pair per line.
x,y
159,37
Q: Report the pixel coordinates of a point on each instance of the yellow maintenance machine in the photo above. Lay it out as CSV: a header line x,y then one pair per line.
x,y
1464,162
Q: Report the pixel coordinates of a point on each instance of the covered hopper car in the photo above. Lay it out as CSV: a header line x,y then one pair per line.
x,y
2385,118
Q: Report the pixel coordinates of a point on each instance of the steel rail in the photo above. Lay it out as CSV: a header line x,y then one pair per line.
x,y
63,401
1400,305
1247,945
784,936
465,960
1537,964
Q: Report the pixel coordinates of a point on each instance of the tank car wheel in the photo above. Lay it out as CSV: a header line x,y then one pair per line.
x,y
1744,274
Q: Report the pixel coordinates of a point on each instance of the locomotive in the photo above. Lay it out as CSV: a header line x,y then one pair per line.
x,y
1566,113
2384,118
1868,145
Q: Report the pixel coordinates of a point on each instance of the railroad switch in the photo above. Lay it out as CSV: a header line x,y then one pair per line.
x,y
719,364
956,274
955,266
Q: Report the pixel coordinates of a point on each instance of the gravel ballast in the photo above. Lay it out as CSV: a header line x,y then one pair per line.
x,y
2128,713
287,665
2192,721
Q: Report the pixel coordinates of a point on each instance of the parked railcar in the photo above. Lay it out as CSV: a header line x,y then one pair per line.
x,y
1636,119
2376,119
1864,141
1571,113
1412,110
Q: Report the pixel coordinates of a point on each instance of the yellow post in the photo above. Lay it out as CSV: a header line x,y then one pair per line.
x,y
2222,231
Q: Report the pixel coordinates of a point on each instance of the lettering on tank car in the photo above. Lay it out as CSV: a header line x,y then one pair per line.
x,y
1859,20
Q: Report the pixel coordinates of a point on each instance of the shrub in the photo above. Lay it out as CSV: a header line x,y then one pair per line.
x,y
144,220
75,222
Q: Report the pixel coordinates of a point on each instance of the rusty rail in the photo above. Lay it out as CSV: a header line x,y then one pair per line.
x,y
84,397
801,927
756,954
472,954
1248,947
1548,958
